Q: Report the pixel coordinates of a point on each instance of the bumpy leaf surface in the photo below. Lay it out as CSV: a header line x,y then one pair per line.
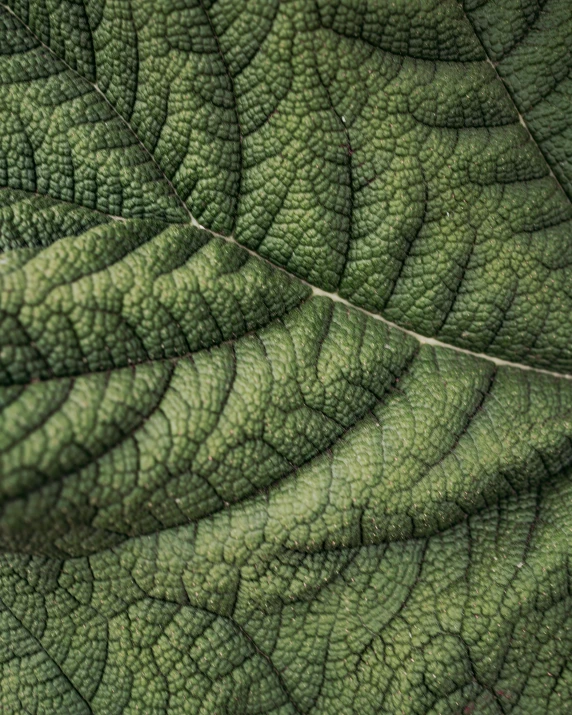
x,y
285,343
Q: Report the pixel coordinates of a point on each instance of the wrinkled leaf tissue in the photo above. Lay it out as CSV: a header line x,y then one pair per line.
x,y
235,475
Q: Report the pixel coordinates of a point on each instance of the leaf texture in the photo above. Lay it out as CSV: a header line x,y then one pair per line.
x,y
285,328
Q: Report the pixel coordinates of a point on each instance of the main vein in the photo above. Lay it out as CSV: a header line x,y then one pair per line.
x,y
423,339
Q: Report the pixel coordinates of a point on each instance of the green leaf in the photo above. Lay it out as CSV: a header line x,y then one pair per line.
x,y
285,363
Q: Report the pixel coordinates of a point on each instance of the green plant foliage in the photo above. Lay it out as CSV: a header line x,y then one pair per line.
x,y
285,357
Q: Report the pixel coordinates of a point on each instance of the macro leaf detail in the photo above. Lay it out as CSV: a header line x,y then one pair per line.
x,y
285,364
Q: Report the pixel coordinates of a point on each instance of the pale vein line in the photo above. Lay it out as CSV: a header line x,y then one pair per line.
x,y
525,125
521,118
423,339
97,89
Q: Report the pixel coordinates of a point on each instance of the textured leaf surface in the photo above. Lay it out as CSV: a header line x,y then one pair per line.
x,y
285,328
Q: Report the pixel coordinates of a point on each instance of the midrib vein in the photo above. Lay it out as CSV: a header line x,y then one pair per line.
x,y
423,339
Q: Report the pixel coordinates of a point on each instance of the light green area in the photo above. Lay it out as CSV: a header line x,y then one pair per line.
x,y
219,492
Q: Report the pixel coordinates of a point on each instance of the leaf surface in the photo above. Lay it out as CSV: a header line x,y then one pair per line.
x,y
286,411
